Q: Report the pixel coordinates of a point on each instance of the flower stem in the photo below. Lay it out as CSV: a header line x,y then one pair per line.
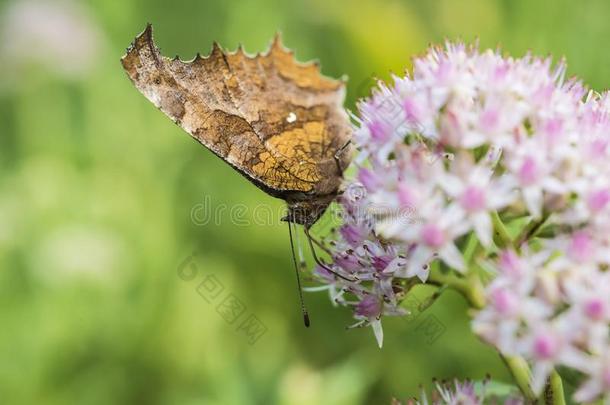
x,y
554,390
501,236
521,374
470,248
470,287
531,230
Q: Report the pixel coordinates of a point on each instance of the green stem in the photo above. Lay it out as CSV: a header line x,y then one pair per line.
x,y
432,298
554,390
470,248
470,287
531,230
501,236
521,374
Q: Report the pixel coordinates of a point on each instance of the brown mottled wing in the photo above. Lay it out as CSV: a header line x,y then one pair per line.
x,y
277,121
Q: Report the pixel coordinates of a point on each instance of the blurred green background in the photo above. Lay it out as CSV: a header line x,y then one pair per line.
x,y
103,199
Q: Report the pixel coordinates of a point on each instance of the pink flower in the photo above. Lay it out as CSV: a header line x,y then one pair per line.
x,y
380,132
598,379
469,137
369,179
596,308
352,234
598,199
369,307
581,247
504,301
546,346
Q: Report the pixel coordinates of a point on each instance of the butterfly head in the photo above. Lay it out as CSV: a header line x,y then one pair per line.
x,y
307,212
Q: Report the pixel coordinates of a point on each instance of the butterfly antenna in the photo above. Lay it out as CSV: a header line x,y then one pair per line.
x,y
318,261
296,269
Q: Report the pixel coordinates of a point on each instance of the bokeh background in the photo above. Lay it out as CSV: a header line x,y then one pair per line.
x,y
105,227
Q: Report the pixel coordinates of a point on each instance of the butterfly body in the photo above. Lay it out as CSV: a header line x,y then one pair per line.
x,y
278,122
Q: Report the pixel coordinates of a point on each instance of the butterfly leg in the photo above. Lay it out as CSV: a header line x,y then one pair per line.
x,y
338,154
320,245
319,262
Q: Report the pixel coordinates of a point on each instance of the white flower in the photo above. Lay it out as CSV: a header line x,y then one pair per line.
x,y
549,344
433,235
470,134
476,193
598,378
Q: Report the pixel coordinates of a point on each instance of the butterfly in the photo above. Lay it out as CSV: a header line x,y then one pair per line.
x,y
278,122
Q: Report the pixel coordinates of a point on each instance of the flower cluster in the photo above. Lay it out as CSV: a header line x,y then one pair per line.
x,y
462,392
553,307
367,270
508,153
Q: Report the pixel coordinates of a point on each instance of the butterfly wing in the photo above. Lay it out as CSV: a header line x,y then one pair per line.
x,y
278,122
